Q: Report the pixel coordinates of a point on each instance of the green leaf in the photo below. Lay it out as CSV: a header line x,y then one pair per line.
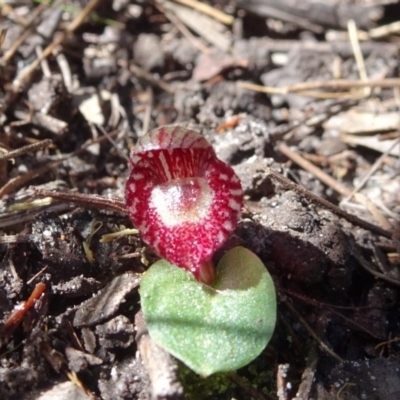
x,y
211,329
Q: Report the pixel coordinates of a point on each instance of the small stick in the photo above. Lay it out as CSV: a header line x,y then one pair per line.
x,y
388,83
182,29
19,238
26,149
355,44
65,71
84,199
372,170
384,30
143,74
308,375
22,179
57,42
334,184
3,34
148,110
332,309
316,119
37,275
311,332
109,136
281,381
16,316
275,13
368,267
328,205
374,210
29,28
322,176
208,10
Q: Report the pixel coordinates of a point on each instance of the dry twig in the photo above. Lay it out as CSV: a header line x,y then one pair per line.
x,y
310,331
304,88
52,46
91,200
182,29
26,149
29,28
334,184
208,10
372,170
328,205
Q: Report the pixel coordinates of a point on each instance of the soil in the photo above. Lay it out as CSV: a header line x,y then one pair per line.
x,y
110,72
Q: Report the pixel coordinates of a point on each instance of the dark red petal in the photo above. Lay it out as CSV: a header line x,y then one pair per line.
x,y
170,137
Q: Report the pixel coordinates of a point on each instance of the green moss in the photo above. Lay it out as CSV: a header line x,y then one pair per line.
x,y
198,388
262,379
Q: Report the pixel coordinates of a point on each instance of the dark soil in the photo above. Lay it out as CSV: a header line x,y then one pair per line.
x,y
129,67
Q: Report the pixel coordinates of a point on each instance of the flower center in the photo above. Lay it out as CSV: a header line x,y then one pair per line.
x,y
184,200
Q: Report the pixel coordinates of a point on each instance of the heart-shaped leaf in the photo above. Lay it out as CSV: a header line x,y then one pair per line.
x,y
211,329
